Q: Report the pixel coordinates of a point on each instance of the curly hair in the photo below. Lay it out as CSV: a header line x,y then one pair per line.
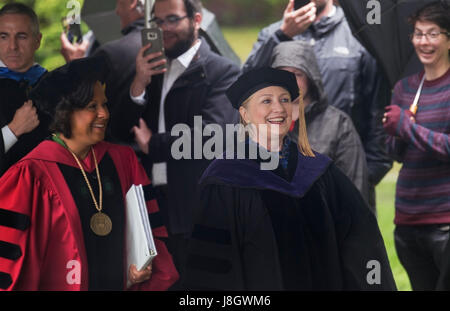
x,y
78,99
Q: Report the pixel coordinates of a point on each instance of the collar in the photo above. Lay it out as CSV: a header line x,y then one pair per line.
x,y
52,151
137,24
332,12
245,173
327,23
32,75
185,59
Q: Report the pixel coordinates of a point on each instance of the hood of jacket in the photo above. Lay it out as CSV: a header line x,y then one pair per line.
x,y
300,55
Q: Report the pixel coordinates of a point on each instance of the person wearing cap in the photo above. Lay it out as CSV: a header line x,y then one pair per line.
x,y
330,130
62,221
22,126
299,226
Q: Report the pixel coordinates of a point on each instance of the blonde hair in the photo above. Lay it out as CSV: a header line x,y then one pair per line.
x,y
302,143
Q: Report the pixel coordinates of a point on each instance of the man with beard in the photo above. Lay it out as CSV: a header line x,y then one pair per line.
x,y
193,83
349,73
22,126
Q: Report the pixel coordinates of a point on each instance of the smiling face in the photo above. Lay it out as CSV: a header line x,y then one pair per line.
x,y
17,42
270,111
178,37
89,124
434,52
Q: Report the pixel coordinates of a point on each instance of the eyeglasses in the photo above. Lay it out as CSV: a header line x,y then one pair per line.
x,y
171,21
431,36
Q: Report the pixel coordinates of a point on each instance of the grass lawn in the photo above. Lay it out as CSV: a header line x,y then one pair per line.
x,y
241,40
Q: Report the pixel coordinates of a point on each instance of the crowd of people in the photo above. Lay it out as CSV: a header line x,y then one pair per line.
x,y
75,139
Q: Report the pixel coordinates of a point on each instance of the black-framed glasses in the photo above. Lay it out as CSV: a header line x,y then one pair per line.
x,y
431,36
171,21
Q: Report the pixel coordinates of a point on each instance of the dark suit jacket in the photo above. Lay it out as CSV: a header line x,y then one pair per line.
x,y
199,91
121,54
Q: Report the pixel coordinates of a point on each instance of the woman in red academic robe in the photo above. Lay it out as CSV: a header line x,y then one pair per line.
x,y
49,200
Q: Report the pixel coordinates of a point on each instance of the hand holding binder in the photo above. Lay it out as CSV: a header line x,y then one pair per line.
x,y
140,245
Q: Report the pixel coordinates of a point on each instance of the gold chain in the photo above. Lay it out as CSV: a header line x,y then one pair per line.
x,y
99,208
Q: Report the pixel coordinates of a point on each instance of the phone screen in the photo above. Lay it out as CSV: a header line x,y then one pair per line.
x,y
300,3
73,31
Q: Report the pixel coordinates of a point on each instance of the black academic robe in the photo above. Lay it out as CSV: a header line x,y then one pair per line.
x,y
305,229
13,95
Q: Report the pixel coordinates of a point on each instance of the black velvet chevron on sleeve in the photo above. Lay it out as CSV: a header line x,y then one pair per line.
x,y
10,251
14,220
149,192
155,220
5,280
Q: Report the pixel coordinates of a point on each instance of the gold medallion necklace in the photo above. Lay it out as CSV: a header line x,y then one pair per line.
x,y
101,224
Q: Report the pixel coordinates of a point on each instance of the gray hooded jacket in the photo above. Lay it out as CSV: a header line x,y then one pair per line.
x,y
330,131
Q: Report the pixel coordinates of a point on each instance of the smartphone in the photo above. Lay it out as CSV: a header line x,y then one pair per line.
x,y
300,3
154,35
72,30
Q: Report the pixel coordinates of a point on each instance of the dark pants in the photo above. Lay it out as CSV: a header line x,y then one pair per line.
x,y
421,252
177,244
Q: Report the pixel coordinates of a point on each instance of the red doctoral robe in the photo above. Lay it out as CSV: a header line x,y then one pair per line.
x,y
41,237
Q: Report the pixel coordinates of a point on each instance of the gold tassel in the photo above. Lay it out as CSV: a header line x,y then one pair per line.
x,y
303,142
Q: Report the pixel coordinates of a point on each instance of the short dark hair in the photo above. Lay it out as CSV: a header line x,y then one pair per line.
x,y
192,7
22,9
437,12
78,99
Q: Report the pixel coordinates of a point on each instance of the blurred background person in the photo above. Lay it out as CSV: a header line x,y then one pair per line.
x,y
419,138
192,85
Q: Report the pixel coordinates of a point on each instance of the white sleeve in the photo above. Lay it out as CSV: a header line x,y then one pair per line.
x,y
9,139
139,100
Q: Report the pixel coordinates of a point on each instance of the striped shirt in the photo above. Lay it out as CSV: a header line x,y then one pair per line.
x,y
423,186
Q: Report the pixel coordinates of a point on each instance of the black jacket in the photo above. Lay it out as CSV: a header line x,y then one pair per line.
x,y
199,91
121,54
350,76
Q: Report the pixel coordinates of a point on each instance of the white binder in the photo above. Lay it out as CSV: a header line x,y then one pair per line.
x,y
140,245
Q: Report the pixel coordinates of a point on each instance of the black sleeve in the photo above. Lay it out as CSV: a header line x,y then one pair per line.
x,y
364,259
223,251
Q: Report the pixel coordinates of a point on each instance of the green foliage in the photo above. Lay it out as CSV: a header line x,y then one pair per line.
x,y
50,13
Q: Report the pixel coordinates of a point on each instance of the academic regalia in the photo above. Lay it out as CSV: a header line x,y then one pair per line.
x,y
13,94
302,226
43,230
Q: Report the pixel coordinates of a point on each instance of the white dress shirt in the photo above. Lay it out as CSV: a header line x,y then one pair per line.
x,y
175,69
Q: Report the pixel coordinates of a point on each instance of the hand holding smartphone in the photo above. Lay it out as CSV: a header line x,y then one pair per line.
x,y
300,3
154,36
72,30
